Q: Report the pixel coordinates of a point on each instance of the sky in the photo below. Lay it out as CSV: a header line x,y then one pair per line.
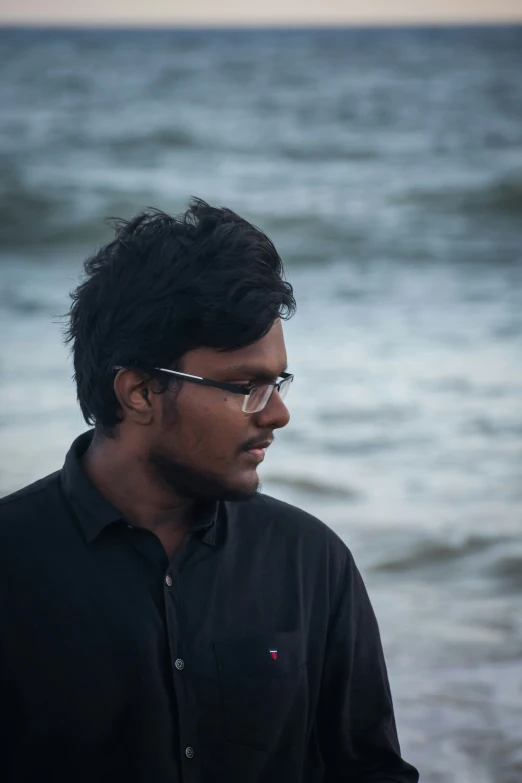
x,y
267,12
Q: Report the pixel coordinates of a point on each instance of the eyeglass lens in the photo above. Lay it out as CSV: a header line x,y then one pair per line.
x,y
258,397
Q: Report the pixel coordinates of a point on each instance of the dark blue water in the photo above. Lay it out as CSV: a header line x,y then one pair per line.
x,y
386,165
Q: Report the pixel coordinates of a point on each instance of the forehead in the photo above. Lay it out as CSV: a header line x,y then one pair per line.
x,y
267,354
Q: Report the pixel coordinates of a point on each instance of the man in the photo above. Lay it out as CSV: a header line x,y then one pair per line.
x,y
161,620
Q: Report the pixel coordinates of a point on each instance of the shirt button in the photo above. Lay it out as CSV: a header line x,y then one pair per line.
x,y
189,752
179,664
168,580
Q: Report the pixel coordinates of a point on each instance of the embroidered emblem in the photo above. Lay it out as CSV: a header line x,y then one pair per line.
x,y
273,654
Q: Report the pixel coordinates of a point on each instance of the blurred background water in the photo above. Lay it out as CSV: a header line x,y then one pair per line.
x,y
386,165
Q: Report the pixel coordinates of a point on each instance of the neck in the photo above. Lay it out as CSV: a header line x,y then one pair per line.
x,y
121,478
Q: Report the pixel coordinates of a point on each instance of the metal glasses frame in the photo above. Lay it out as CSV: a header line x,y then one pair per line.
x,y
230,387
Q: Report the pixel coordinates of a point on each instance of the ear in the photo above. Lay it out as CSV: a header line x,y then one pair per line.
x,y
135,394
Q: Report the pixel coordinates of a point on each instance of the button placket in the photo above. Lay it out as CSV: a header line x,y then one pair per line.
x,y
186,703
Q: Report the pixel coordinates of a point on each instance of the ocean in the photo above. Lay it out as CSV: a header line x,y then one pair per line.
x,y
386,165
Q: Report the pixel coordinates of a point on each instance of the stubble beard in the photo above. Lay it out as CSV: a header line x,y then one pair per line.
x,y
197,485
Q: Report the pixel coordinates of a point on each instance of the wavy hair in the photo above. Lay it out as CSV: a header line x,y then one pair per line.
x,y
164,286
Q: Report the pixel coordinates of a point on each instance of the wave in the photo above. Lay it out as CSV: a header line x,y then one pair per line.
x,y
497,559
508,569
21,303
158,140
326,152
312,487
369,446
431,552
490,427
502,197
50,216
22,208
380,414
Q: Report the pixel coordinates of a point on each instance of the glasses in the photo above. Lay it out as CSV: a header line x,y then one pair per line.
x,y
256,397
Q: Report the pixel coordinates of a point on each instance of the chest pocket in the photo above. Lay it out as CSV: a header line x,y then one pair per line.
x,y
264,689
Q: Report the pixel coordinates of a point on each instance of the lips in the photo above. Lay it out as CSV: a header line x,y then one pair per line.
x,y
263,444
256,451
257,455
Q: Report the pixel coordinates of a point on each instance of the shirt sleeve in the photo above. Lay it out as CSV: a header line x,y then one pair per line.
x,y
355,718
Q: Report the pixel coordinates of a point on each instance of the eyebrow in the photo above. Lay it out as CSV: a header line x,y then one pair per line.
x,y
254,372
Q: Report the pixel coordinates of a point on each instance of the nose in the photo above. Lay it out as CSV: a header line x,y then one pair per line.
x,y
274,415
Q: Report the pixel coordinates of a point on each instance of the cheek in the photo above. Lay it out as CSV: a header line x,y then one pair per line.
x,y
210,433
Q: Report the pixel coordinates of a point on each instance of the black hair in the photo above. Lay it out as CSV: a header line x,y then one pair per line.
x,y
164,286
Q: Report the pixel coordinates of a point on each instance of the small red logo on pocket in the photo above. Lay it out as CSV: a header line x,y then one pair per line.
x,y
273,654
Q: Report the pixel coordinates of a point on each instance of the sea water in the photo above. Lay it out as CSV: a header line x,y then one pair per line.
x,y
386,165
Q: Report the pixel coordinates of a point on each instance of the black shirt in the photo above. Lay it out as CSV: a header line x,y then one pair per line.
x,y
253,656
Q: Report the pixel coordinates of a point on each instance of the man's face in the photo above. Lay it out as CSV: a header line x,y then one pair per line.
x,y
201,443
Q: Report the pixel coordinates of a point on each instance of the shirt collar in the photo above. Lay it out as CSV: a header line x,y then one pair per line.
x,y
95,513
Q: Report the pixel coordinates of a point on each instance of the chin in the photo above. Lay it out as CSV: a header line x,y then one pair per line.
x,y
201,485
243,490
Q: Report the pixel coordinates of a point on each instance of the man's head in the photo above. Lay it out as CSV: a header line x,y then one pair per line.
x,y
202,294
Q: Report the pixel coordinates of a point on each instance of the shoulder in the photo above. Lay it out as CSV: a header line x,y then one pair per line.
x,y
295,519
290,541
284,522
28,502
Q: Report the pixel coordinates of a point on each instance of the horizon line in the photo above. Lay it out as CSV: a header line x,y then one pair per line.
x,y
249,25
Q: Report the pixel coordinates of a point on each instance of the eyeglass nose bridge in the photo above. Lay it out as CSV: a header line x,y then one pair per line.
x,y
283,386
